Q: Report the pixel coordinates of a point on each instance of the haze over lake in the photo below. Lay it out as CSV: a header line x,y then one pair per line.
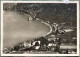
x,y
17,28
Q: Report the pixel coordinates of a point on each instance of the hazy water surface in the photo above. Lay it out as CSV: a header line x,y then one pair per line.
x,y
17,28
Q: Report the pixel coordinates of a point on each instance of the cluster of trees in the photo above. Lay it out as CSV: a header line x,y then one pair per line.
x,y
9,6
43,46
50,12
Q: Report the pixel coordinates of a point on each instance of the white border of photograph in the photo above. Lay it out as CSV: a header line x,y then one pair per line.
x,y
77,2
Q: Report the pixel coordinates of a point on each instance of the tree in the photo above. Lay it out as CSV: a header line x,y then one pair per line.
x,y
36,44
31,8
33,13
43,40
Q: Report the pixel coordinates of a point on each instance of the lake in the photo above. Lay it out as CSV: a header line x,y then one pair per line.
x,y
17,28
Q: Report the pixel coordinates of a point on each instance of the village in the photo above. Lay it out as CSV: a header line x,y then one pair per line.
x,y
61,40
52,43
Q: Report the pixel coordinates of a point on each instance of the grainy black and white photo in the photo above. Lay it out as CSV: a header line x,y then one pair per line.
x,y
39,28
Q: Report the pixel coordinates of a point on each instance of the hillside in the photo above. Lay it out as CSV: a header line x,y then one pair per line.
x,y
53,12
